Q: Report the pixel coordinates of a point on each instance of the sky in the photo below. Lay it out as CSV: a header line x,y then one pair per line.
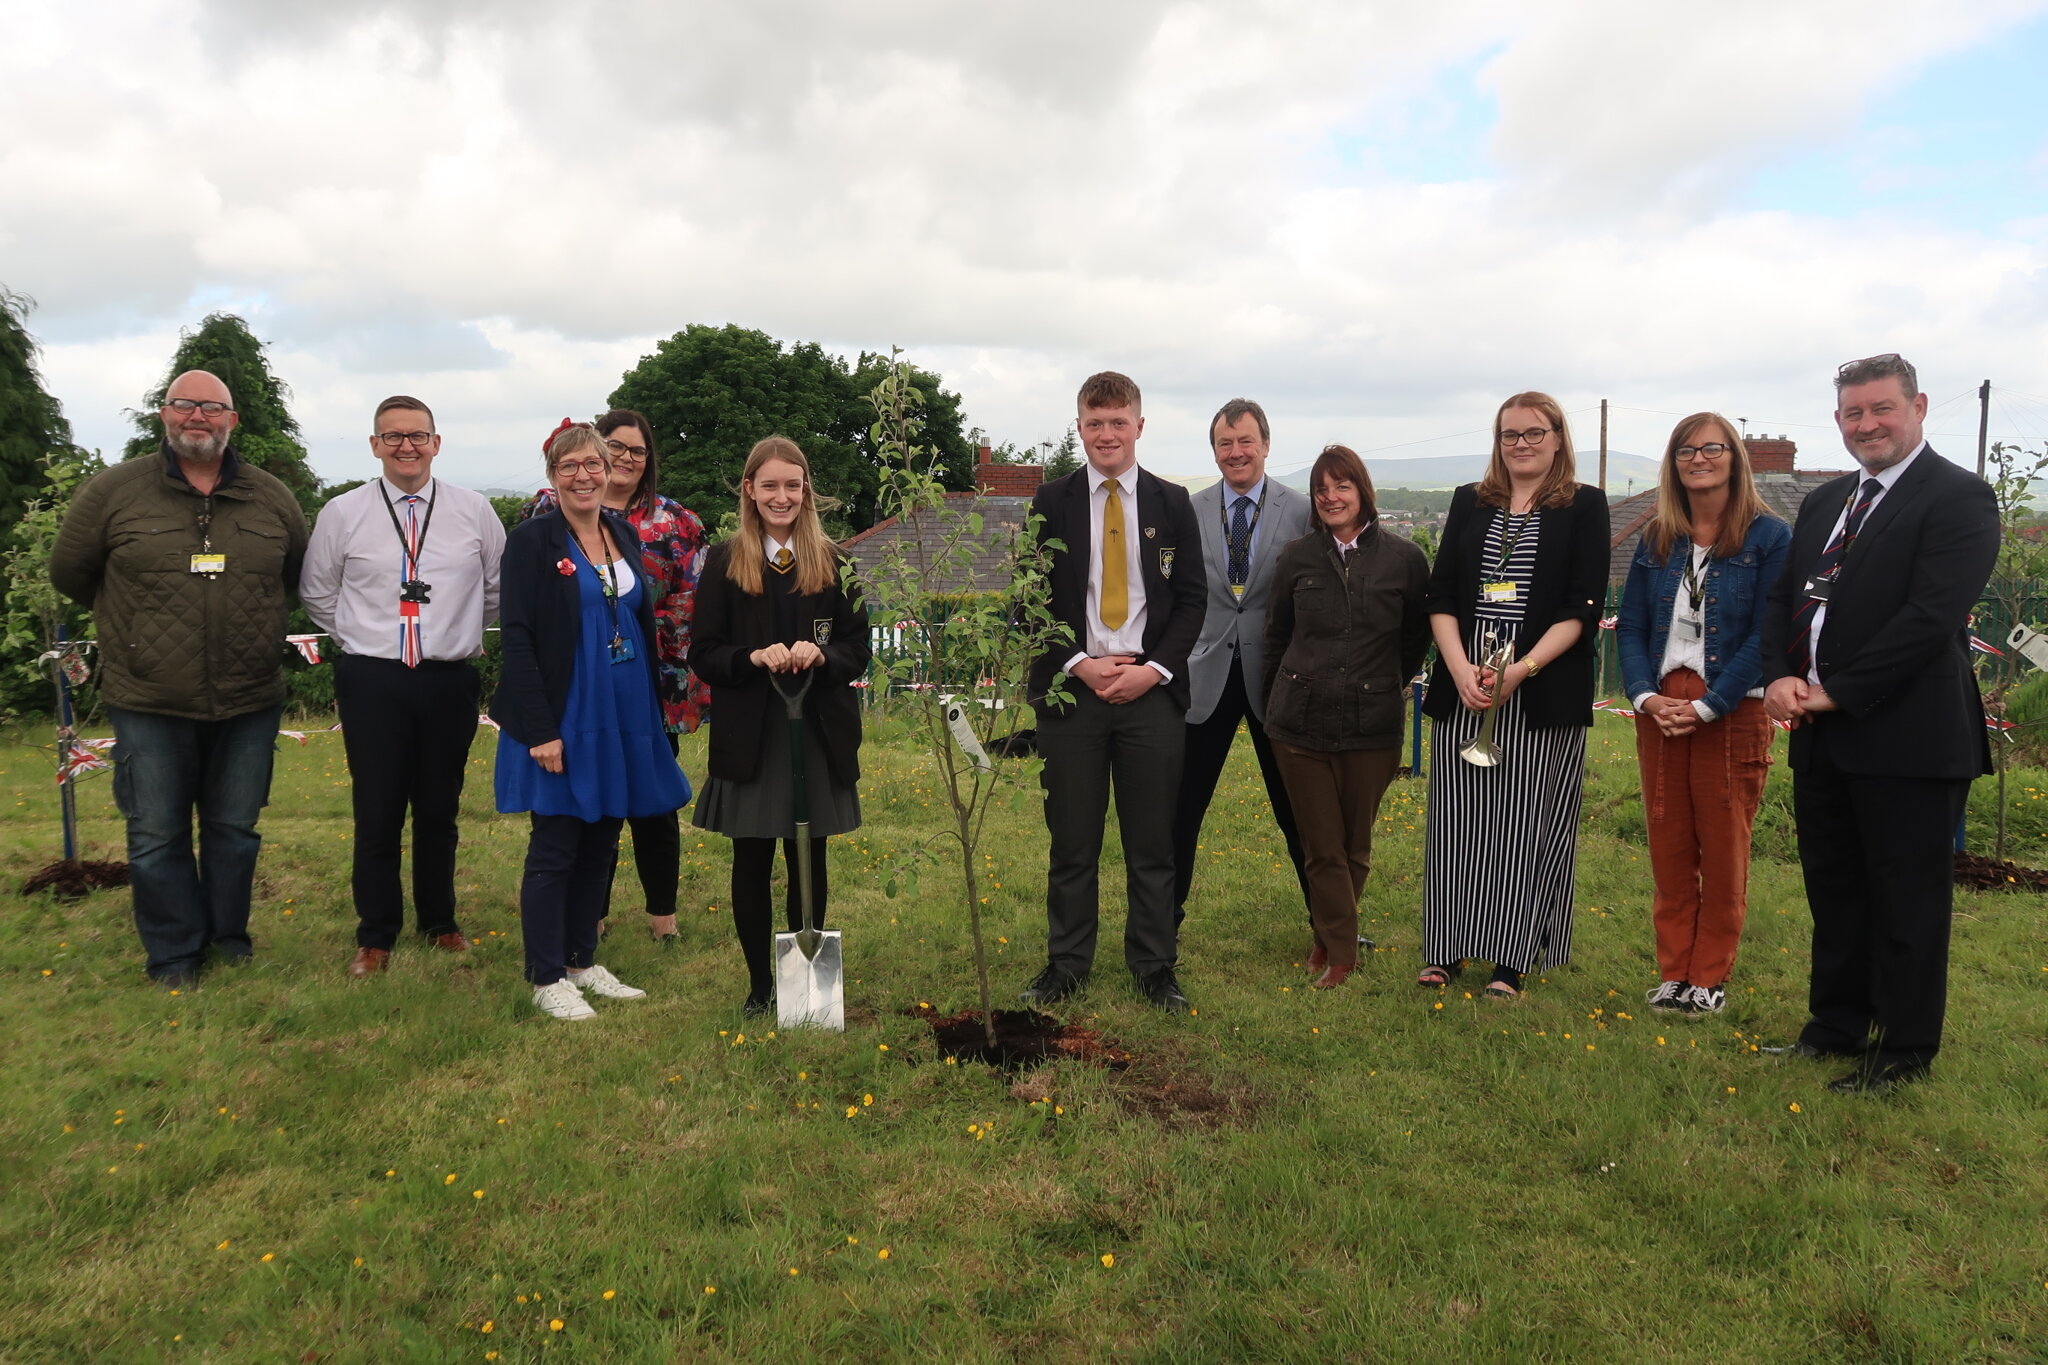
x,y
1378,219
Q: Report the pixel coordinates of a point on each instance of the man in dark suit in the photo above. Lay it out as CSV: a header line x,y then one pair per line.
x,y
1111,701
1867,658
1245,520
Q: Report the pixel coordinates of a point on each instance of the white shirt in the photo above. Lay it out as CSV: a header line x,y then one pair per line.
x,y
1885,481
1683,649
1129,638
355,562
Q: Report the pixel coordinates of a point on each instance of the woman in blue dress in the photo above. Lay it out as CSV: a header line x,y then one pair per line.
x,y
581,743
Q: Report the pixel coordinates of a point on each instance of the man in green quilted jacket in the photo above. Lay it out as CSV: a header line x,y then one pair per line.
x,y
187,558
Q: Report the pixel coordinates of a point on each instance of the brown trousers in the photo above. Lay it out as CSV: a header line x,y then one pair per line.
x,y
1700,794
1336,799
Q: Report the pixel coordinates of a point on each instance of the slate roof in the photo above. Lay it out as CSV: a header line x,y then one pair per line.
x,y
1002,519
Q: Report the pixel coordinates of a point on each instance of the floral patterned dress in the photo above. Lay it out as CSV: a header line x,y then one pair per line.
x,y
672,550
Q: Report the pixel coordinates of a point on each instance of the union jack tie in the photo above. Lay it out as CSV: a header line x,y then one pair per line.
x,y
408,569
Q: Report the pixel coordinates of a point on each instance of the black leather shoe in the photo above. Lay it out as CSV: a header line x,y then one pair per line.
x,y
1164,991
1880,1080
1051,986
754,1006
1805,1050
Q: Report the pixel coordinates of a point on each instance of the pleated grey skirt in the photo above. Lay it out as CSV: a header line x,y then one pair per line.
x,y
1501,858
762,808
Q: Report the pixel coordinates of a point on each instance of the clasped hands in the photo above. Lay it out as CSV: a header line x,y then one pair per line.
x,y
1475,684
1791,700
788,658
1117,678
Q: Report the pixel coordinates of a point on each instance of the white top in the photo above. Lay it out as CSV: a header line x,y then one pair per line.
x,y
1687,648
1885,481
1130,637
355,562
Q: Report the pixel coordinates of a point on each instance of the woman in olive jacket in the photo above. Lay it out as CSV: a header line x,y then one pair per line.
x,y
1345,631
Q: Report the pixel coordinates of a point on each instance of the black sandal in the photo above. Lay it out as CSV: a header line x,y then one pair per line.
x,y
1434,975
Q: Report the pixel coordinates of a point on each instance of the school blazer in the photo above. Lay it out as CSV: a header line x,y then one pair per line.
x,y
1169,567
1895,649
540,624
730,625
1569,583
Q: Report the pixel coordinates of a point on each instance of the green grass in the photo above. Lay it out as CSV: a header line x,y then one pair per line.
x,y
281,1165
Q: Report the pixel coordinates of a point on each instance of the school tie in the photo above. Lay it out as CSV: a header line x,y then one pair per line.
x,y
409,612
1240,542
782,560
1830,560
1116,584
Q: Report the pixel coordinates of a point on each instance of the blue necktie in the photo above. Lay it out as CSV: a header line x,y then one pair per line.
x,y
1240,542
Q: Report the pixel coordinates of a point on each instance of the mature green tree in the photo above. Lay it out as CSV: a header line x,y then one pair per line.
x,y
712,392
1067,458
32,425
268,436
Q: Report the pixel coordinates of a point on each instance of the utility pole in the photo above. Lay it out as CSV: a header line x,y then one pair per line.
x,y
1603,446
1983,422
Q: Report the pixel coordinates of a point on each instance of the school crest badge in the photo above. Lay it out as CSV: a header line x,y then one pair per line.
x,y
1166,562
821,630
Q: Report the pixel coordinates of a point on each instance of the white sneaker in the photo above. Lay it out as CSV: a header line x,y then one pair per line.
x,y
1703,1000
1666,996
598,981
562,1000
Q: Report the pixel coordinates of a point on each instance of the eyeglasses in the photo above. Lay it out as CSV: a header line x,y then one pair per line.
x,y
394,439
190,405
1533,436
1712,451
625,454
591,466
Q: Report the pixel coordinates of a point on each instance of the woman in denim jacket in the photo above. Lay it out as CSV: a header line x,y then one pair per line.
x,y
1690,633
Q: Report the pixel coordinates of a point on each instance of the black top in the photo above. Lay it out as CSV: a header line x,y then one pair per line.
x,y
1568,583
730,625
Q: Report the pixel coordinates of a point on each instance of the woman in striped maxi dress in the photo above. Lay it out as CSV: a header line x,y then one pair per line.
x,y
1522,565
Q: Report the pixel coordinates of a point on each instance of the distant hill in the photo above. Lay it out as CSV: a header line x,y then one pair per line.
x,y
1448,471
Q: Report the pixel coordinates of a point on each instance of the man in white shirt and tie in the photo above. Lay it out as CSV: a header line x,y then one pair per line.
x,y
403,573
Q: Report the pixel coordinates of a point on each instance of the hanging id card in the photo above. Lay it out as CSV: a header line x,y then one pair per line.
x,y
1688,625
1497,592
209,563
622,650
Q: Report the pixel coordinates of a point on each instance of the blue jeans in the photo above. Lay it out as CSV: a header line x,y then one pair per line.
x,y
164,766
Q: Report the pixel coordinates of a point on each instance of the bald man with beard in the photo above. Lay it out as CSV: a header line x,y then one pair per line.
x,y
188,559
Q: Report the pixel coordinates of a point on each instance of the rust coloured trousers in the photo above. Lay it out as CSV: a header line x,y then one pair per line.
x,y
1700,794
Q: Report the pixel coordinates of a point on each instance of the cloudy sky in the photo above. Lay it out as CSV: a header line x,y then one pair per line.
x,y
1377,218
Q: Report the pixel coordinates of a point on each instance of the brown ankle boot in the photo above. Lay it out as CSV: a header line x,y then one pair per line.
x,y
1317,958
1333,976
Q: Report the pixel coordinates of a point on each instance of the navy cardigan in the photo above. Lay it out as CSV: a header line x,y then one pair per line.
x,y
540,622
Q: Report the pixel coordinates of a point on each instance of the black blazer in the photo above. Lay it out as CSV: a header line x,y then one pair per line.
x,y
730,625
1569,583
1169,563
1895,649
540,624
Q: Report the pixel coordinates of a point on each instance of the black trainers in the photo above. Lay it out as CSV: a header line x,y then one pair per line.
x,y
1162,988
1051,986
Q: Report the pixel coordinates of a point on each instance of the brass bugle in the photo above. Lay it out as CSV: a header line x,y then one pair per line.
x,y
1482,752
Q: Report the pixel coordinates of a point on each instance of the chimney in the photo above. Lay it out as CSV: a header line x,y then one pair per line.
x,y
1770,454
1005,480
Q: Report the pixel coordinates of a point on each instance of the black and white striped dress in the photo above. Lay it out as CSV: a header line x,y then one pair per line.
x,y
1502,850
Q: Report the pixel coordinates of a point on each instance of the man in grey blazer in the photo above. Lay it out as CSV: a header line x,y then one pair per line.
x,y
1244,519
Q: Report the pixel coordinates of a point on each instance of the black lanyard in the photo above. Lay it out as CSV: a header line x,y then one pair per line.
x,y
1691,576
1509,542
1252,527
408,554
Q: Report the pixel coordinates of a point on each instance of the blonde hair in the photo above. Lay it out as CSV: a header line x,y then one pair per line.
x,y
817,565
1560,485
574,437
1674,504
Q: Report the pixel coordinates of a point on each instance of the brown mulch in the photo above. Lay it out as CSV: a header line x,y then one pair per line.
x,y
1023,1038
75,879
1990,874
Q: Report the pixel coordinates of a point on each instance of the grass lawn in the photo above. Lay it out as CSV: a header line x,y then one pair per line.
x,y
286,1165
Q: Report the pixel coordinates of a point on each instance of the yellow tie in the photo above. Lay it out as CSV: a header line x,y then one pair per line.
x,y
782,558
1116,583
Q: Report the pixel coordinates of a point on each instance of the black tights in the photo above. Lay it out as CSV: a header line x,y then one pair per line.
x,y
753,864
